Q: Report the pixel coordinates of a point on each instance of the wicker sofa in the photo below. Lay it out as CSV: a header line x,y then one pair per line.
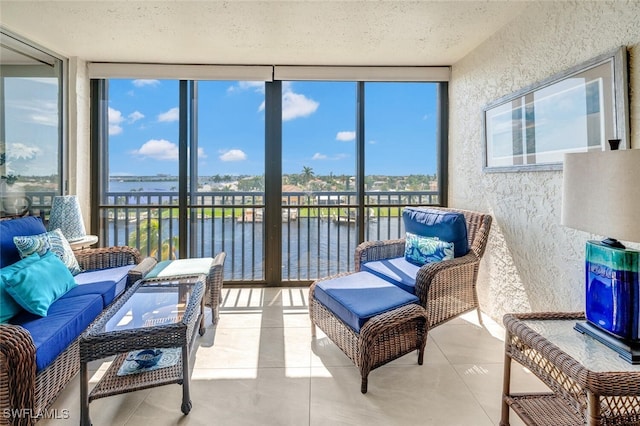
x,y
36,365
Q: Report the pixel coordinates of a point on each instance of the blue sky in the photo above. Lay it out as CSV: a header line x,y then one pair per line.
x,y
318,127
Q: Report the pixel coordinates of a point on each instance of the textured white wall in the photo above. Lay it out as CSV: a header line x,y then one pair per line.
x,y
532,262
78,130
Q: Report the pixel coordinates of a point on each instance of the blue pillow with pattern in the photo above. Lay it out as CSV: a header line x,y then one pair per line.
x,y
52,240
420,250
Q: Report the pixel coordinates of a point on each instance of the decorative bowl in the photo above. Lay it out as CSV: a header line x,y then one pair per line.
x,y
147,358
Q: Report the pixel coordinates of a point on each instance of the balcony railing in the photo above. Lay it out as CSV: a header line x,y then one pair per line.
x,y
319,229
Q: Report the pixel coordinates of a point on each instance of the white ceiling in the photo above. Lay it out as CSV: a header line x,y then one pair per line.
x,y
261,32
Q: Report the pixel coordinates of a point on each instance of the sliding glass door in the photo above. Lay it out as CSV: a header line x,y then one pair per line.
x,y
286,177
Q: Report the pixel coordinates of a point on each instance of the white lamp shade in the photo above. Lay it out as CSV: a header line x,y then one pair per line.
x,y
601,193
66,215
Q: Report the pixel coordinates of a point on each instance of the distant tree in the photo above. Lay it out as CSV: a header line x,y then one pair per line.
x,y
307,174
150,244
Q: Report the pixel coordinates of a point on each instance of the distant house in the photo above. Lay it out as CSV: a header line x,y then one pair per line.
x,y
327,200
292,200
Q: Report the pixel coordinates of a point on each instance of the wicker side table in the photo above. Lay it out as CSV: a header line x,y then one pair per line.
x,y
158,314
590,384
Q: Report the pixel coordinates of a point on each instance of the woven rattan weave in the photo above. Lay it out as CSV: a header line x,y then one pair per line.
x,y
20,387
382,338
446,289
589,383
102,339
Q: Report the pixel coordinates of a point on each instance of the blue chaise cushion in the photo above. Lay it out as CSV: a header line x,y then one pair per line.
x,y
397,271
66,320
358,297
31,225
109,283
445,225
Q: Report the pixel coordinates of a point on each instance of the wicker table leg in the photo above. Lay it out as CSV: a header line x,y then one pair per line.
x,y
186,397
506,383
85,420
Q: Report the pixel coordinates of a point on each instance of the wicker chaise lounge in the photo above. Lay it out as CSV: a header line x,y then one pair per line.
x,y
446,289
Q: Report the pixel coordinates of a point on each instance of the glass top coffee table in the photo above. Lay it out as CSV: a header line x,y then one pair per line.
x,y
160,314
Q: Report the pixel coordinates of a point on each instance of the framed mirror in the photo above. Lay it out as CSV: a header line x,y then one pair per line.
x,y
577,110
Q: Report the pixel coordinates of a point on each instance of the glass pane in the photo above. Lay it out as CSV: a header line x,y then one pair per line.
x,y
400,153
30,135
318,162
142,166
227,208
153,304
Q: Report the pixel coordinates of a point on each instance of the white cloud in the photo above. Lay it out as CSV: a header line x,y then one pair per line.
x,y
318,156
372,142
233,155
158,149
135,116
256,86
145,82
295,105
115,119
20,151
346,136
172,115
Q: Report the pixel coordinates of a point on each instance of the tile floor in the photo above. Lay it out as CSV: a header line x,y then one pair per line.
x,y
259,366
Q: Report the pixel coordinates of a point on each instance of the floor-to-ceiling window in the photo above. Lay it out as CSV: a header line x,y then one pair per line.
x,y
31,127
286,176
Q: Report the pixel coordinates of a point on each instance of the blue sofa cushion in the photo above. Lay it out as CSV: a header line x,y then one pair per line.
x,y
446,226
355,298
31,225
53,241
109,283
8,306
36,286
66,320
397,271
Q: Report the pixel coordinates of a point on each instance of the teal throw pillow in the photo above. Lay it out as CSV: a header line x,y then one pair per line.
x,y
9,307
40,283
52,240
420,250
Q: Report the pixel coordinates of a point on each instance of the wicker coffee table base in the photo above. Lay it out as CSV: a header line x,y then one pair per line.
x,y
96,343
382,339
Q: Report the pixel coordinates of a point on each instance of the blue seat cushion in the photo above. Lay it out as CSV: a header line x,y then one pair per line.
x,y
397,271
357,297
30,225
66,319
445,225
109,283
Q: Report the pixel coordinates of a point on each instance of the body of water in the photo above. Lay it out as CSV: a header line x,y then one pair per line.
x,y
311,247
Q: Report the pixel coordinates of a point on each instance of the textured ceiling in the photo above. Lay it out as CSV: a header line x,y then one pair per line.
x,y
261,32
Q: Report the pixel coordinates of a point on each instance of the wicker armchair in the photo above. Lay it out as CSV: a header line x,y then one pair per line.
x,y
20,387
446,289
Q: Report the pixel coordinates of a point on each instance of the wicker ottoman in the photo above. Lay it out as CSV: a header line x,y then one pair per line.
x,y
372,321
213,268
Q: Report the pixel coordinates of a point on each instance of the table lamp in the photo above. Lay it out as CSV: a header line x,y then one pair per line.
x,y
66,215
601,195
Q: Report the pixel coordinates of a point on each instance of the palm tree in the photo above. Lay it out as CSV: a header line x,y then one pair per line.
x,y
150,244
307,174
